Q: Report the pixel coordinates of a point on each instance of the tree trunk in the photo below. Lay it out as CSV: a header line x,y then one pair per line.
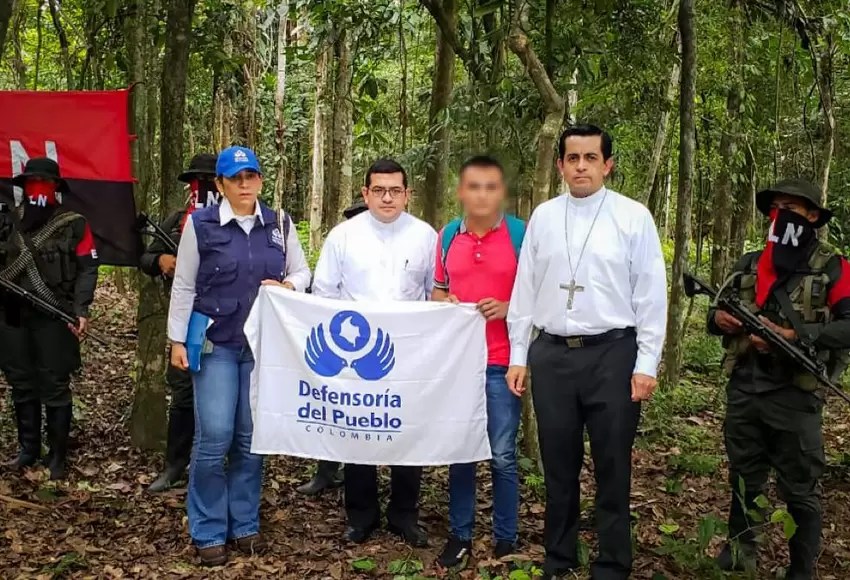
x,y
148,415
553,109
687,146
439,134
403,115
343,119
6,7
319,130
279,96
250,75
823,72
175,68
18,32
338,139
744,205
39,37
63,43
663,128
721,211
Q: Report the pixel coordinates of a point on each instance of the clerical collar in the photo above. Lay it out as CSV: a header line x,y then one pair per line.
x,y
588,200
385,226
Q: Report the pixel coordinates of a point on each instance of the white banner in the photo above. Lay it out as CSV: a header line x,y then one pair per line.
x,y
376,383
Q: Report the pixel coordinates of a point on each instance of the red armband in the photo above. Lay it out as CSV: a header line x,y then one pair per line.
x,y
841,287
86,247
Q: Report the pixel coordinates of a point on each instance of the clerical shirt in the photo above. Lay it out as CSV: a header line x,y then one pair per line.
x,y
621,273
366,259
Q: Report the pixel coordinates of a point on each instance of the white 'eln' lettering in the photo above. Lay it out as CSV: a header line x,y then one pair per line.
x,y
792,234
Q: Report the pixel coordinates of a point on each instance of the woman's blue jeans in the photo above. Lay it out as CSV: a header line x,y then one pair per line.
x,y
223,500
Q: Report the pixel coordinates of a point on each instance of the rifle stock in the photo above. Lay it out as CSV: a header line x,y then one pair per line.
x,y
803,355
147,226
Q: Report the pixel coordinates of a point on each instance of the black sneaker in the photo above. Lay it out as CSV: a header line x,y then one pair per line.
x,y
503,548
456,553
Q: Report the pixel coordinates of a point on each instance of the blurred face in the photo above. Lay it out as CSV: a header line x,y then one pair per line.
x,y
583,167
242,189
796,204
386,196
481,191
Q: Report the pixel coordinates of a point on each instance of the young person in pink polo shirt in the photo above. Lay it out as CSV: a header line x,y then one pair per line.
x,y
477,263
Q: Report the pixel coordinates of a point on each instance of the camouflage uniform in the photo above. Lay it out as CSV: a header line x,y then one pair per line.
x,y
774,410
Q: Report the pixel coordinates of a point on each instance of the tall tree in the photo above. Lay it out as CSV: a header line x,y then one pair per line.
x,y
687,148
6,7
342,117
63,42
317,187
175,69
279,95
722,207
147,418
439,134
663,125
554,106
247,128
19,21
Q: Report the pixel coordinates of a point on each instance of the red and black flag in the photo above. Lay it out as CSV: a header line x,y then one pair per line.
x,y
88,134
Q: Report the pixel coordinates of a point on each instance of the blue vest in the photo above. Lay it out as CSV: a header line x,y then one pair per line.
x,y
231,267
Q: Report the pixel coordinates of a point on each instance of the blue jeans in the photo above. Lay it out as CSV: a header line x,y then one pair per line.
x,y
223,504
503,415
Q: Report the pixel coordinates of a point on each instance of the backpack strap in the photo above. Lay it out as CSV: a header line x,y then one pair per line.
x,y
516,230
447,236
283,224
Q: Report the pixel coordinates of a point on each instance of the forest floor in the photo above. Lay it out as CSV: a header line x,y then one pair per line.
x,y
102,524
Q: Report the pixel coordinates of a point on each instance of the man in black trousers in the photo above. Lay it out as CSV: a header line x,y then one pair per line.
x,y
591,278
327,474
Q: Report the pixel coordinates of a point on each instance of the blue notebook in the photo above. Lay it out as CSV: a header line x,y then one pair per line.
x,y
195,339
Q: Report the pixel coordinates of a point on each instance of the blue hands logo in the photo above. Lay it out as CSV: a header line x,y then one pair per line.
x,y
350,333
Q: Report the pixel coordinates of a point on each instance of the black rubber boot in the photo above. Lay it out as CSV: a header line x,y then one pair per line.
x,y
181,431
739,553
804,545
28,418
58,429
327,477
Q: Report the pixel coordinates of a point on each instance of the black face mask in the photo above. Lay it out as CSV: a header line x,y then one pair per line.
x,y
35,216
789,240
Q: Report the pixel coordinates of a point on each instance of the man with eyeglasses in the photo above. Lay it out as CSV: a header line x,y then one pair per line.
x,y
381,254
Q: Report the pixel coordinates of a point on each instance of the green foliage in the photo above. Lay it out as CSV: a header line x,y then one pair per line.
x,y
405,569
696,464
303,230
689,552
363,565
789,526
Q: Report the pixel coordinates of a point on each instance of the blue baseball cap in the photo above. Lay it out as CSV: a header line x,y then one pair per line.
x,y
235,159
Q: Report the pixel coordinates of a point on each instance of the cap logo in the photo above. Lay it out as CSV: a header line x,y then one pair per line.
x,y
240,157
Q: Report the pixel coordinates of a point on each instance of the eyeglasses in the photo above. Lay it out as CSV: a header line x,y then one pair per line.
x,y
380,192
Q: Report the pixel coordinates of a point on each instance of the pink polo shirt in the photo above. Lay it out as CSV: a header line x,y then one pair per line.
x,y
481,267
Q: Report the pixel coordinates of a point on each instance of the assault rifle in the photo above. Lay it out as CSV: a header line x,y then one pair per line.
x,y
147,226
803,354
46,307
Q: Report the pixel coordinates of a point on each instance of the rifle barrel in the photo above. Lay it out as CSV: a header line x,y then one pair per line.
x,y
754,325
47,307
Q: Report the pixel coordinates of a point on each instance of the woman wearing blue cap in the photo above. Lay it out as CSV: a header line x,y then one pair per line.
x,y
226,253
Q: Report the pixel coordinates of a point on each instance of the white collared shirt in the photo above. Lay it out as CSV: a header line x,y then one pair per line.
x,y
622,272
188,260
366,259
